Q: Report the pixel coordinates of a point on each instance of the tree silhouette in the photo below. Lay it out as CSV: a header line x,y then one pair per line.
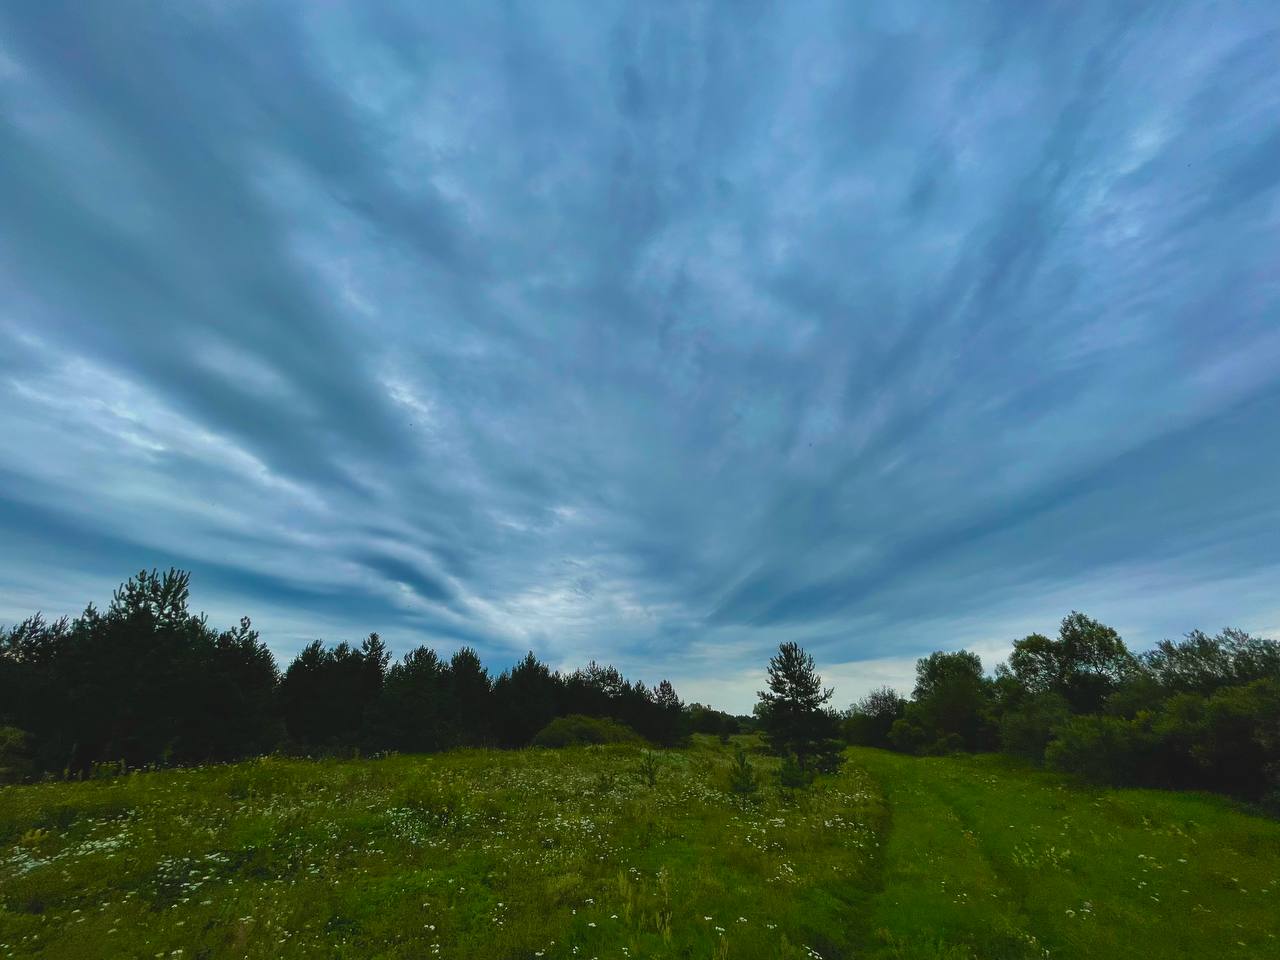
x,y
792,711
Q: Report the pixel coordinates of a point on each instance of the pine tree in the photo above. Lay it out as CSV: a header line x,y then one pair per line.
x,y
793,712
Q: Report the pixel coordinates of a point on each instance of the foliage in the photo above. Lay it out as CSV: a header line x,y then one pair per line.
x,y
144,682
649,768
669,726
1104,749
868,722
330,697
743,779
948,708
578,731
1083,665
792,712
15,755
1027,729
1202,712
793,775
1202,664
149,683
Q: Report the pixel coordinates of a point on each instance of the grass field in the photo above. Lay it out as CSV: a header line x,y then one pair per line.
x,y
577,853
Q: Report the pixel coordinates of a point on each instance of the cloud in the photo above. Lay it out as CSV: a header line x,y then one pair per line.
x,y
650,335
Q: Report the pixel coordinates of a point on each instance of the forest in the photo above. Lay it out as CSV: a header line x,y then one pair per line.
x,y
148,683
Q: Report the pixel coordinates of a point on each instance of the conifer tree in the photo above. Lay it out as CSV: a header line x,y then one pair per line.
x,y
793,713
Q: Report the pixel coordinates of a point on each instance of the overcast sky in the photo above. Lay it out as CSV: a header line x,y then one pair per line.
x,y
655,333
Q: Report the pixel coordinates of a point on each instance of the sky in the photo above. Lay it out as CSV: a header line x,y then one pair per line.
x,y
651,333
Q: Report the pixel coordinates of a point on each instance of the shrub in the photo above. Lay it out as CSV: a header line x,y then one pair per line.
x,y
649,769
577,731
869,721
1026,730
1105,749
792,775
906,736
1236,743
15,756
742,775
946,745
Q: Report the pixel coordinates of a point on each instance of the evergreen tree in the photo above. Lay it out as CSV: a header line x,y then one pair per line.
x,y
330,698
793,713
415,709
670,716
525,699
471,694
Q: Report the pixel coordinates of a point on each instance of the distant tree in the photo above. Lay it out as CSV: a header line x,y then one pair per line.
x,y
525,699
331,697
700,718
793,714
669,728
415,710
144,682
1027,729
949,708
1085,664
471,692
1202,664
868,722
234,712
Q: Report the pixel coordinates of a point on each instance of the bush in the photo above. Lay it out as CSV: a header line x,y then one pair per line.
x,y
649,769
868,722
1231,738
1026,730
578,731
15,756
906,736
1105,749
792,775
742,775
946,745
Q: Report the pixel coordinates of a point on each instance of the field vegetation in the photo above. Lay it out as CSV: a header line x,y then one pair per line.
x,y
173,794
618,851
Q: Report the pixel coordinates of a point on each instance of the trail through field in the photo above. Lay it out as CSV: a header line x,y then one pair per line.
x,y
986,859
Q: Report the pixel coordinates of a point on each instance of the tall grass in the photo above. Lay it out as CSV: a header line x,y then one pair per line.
x,y
613,852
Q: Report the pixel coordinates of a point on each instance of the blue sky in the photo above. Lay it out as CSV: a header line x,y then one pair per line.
x,y
645,332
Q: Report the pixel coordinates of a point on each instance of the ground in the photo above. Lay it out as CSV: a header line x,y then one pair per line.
x,y
584,853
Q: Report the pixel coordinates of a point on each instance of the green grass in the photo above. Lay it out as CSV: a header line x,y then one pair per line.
x,y
573,854
988,859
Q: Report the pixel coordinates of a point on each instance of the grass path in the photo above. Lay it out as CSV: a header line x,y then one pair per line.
x,y
986,859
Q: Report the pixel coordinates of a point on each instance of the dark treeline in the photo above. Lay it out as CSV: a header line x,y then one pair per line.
x,y
1201,712
147,682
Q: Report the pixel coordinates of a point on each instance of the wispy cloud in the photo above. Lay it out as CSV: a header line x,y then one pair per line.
x,y
650,334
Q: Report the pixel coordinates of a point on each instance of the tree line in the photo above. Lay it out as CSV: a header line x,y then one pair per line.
x,y
147,682
1200,712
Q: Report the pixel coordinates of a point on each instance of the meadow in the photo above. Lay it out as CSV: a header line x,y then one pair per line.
x,y
617,852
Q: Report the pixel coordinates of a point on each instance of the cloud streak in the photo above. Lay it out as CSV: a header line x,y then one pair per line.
x,y
653,335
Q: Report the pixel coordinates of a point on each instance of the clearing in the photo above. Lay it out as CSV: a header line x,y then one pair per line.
x,y
577,854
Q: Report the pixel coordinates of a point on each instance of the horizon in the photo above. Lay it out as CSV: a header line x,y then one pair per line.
x,y
650,337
